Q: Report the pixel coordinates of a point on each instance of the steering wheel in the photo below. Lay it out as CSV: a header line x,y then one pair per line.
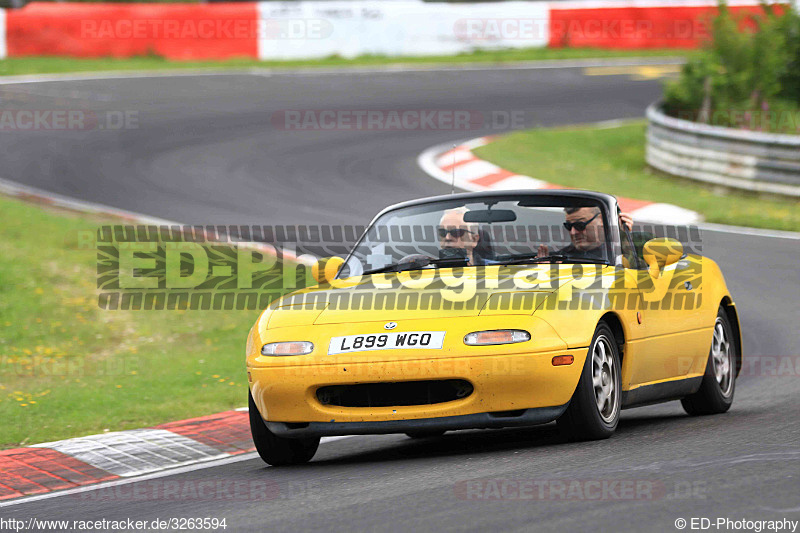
x,y
421,259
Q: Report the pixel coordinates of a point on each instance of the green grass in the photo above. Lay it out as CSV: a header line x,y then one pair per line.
x,y
42,65
612,160
69,368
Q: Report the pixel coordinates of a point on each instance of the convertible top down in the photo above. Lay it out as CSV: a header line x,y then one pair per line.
x,y
487,310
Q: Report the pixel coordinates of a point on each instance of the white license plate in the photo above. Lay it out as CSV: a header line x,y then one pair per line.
x,y
410,340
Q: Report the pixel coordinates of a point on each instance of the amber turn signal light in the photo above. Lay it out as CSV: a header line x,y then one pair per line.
x,y
561,360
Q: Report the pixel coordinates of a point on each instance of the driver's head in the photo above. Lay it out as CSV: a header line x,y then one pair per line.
x,y
455,233
585,226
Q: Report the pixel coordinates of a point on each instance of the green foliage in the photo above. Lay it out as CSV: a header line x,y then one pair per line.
x,y
747,76
791,78
69,368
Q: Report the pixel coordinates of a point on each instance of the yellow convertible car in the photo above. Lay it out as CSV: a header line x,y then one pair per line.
x,y
490,310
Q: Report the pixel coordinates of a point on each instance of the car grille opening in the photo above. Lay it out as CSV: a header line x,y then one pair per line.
x,y
395,393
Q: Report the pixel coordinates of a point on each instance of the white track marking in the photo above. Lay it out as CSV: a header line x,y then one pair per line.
x,y
126,481
203,464
476,143
136,452
474,170
427,161
666,214
518,182
454,156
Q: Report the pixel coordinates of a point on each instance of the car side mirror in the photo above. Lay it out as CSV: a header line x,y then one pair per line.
x,y
660,253
326,269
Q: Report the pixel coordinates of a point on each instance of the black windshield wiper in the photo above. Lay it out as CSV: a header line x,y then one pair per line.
x,y
394,267
534,258
443,262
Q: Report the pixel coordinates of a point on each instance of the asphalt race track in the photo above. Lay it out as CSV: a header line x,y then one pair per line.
x,y
205,151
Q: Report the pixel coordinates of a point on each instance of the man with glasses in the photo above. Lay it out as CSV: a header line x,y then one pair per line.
x,y
587,232
453,232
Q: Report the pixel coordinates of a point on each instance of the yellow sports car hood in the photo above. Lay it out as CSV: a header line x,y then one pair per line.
x,y
426,294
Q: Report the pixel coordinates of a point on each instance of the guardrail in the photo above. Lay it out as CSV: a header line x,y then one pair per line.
x,y
742,159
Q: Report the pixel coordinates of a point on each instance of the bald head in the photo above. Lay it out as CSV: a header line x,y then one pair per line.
x,y
455,233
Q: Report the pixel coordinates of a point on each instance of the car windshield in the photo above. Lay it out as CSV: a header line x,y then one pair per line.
x,y
480,231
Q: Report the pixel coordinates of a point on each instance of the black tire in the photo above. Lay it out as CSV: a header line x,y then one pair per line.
x,y
715,395
275,450
424,434
583,419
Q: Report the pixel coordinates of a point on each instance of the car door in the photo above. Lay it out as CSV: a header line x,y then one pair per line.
x,y
673,330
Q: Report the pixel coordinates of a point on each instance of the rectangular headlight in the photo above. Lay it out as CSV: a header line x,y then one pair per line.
x,y
287,348
497,336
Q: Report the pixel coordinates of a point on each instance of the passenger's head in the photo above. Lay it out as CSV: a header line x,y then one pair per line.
x,y
585,226
455,233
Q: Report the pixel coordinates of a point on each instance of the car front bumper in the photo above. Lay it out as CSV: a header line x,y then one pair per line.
x,y
521,418
501,383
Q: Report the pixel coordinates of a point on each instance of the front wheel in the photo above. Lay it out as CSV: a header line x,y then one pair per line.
x,y
593,411
719,381
275,450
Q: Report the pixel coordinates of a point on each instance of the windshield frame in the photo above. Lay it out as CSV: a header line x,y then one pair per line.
x,y
607,204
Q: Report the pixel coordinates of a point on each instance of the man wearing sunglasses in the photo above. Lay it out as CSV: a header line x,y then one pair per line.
x,y
453,232
587,232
